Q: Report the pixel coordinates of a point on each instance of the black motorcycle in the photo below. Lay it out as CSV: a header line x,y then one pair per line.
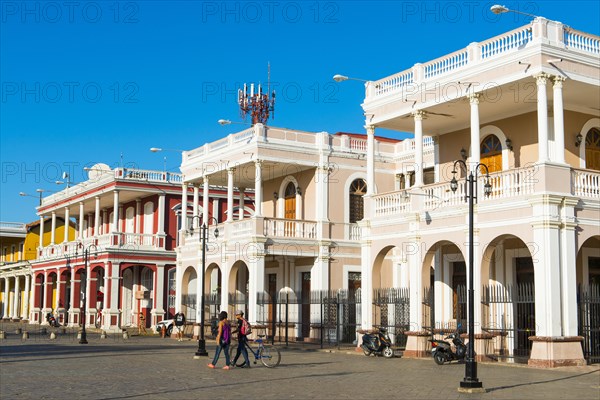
x,y
442,351
377,343
51,320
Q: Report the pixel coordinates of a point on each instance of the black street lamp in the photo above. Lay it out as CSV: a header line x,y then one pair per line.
x,y
204,237
86,255
470,383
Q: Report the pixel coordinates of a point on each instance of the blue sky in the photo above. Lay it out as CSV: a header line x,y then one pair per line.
x,y
103,81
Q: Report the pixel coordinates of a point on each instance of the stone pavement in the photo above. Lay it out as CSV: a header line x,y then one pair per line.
x,y
155,368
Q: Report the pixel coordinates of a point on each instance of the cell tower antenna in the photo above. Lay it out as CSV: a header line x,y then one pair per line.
x,y
259,105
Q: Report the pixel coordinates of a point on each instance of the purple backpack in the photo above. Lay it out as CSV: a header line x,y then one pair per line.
x,y
226,333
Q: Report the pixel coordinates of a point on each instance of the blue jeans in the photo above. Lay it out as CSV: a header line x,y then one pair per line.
x,y
241,349
225,348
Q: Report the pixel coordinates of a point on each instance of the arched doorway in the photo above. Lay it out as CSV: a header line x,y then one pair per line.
x,y
592,149
588,298
358,188
491,153
508,297
238,287
189,295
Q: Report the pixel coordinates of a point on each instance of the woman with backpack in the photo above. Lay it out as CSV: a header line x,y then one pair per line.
x,y
223,340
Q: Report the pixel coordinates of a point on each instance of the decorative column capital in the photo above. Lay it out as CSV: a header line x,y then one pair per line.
x,y
258,162
419,115
230,170
558,81
474,98
205,179
370,129
541,78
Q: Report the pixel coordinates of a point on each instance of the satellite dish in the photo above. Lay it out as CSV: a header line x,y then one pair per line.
x,y
96,171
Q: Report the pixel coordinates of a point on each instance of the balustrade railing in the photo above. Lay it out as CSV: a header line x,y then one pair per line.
x,y
582,41
391,203
585,183
290,228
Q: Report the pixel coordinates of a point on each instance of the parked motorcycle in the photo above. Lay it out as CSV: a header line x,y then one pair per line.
x,y
377,343
442,351
51,320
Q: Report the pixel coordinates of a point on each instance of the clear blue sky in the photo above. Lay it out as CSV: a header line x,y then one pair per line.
x,y
103,81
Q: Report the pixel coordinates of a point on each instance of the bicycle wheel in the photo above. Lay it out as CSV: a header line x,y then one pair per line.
x,y
270,356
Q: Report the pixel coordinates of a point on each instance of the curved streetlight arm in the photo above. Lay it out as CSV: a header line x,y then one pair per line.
x,y
498,9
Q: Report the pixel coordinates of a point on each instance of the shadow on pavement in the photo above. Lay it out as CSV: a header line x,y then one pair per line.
x,y
539,382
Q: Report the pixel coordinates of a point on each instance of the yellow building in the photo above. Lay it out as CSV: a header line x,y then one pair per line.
x,y
20,243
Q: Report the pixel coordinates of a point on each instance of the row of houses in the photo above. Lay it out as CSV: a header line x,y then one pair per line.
x,y
317,235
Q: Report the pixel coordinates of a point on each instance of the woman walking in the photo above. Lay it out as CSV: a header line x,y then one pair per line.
x,y
223,340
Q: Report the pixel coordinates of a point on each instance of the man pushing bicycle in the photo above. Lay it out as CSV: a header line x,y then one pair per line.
x,y
242,339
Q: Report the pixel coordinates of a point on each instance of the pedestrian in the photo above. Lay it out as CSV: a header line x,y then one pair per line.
x,y
180,324
223,340
242,339
142,324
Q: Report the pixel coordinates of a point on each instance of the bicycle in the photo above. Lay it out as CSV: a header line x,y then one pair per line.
x,y
268,354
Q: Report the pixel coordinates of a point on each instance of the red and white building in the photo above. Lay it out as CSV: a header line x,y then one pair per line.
x,y
127,224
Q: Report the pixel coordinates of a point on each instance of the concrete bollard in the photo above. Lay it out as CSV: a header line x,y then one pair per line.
x,y
102,334
79,334
19,331
25,335
125,335
52,335
2,335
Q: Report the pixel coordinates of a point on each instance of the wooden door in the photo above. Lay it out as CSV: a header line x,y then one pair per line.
x,y
290,210
592,150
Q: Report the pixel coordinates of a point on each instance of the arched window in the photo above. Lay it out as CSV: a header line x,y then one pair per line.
x,y
358,189
592,149
149,218
129,220
290,201
491,153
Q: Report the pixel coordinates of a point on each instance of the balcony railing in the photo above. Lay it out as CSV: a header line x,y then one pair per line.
x,y
585,183
475,53
117,240
505,184
288,228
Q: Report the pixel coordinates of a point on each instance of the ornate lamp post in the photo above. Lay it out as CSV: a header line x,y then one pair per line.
x,y
204,239
86,255
471,383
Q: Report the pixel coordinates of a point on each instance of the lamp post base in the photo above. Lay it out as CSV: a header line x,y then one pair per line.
x,y
471,386
201,352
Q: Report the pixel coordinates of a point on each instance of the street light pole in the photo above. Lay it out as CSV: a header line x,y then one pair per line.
x,y
86,255
470,382
201,352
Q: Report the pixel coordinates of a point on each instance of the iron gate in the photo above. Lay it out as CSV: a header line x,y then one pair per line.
x,y
391,310
588,305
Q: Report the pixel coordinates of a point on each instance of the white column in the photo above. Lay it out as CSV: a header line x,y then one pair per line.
x,y
67,225
159,289
542,114
115,211
184,200
179,286
205,200
25,314
15,310
366,290
53,231
299,209
138,216
87,293
258,193
230,172
195,220
161,214
72,306
475,149
45,292
418,116
41,231
568,242
256,284
370,160
241,205
81,219
97,215
58,284
6,297
412,249
559,126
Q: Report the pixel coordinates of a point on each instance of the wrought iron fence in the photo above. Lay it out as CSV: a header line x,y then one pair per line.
x,y
588,305
391,310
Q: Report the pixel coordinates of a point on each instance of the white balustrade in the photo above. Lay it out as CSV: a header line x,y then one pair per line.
x,y
585,183
290,228
242,228
515,39
358,144
393,83
391,203
243,136
510,183
582,41
445,64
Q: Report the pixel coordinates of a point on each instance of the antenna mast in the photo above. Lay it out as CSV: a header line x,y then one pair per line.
x,y
259,105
